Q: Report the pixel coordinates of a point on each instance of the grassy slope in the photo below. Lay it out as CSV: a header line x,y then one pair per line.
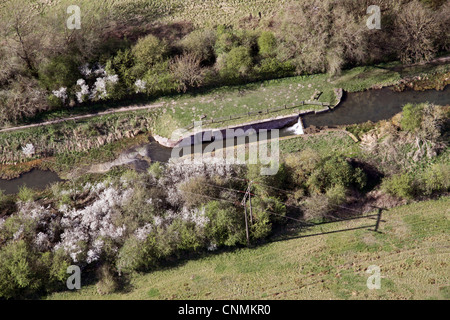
x,y
412,252
200,12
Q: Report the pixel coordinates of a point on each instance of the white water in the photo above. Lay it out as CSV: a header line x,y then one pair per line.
x,y
296,128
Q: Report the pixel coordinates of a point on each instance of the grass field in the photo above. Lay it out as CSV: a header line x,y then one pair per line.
x,y
201,13
412,252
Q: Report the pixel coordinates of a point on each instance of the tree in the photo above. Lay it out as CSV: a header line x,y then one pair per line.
x,y
187,71
22,33
200,44
416,33
150,51
267,43
238,62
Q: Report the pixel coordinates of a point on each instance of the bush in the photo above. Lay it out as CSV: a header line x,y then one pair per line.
x,y
400,185
334,171
159,80
237,63
436,179
189,236
136,255
200,44
150,51
226,226
107,283
156,169
196,191
187,71
54,102
267,43
412,117
2,196
18,270
336,195
226,41
25,194
61,71
273,68
316,207
123,64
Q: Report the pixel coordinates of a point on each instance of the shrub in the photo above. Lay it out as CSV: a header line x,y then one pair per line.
x,y
123,64
19,272
61,71
2,196
150,51
400,185
25,194
190,237
436,178
156,169
200,44
267,43
54,102
336,195
226,225
237,63
412,117
136,255
416,33
196,191
315,207
273,68
226,41
107,283
187,71
301,165
159,79
333,171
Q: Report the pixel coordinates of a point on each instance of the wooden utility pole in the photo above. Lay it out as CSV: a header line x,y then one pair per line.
x,y
378,219
244,203
250,201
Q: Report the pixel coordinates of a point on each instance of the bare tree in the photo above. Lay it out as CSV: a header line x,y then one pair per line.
x,y
416,33
22,32
187,71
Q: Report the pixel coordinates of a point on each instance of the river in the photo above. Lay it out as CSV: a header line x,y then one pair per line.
x,y
358,107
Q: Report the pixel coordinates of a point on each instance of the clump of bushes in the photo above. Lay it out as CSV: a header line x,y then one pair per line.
x,y
400,185
412,117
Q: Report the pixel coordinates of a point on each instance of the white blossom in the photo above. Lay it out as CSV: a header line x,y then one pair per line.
x,y
84,92
99,91
85,71
42,241
61,93
93,222
28,150
112,78
142,233
140,85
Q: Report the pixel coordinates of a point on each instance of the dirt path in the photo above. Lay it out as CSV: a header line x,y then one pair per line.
x,y
86,116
